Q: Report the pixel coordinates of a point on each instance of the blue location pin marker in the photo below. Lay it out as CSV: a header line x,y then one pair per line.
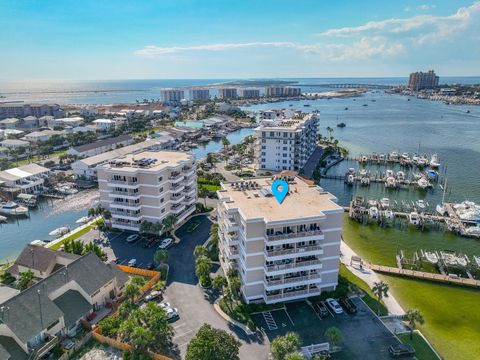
x,y
280,190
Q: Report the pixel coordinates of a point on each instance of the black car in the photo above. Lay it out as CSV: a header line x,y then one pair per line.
x,y
348,305
320,309
150,266
401,350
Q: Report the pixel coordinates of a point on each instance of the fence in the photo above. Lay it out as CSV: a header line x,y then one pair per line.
x,y
78,344
153,275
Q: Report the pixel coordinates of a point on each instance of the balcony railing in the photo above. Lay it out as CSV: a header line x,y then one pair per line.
x,y
126,225
292,265
293,279
123,213
125,193
293,250
39,353
294,235
291,294
122,182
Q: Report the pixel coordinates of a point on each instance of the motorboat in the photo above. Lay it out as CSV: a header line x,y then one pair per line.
x,y
414,218
83,220
431,257
381,157
416,176
363,172
422,161
389,173
59,231
372,203
385,203
431,174
373,213
350,179
472,230
364,159
388,214
421,204
391,182
393,156
441,209
406,157
66,190
434,162
365,181
423,183
351,171
400,175
13,209
3,219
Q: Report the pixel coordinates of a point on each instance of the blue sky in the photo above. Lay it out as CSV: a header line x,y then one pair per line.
x,y
126,39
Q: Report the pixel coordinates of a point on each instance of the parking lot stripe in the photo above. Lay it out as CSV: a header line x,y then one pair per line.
x,y
328,308
288,315
272,325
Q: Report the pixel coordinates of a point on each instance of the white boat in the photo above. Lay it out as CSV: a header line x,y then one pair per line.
x,y
391,182
473,230
388,214
351,171
431,257
416,176
372,203
434,161
423,183
13,209
364,181
389,173
381,157
373,213
59,231
414,218
83,220
441,209
385,203
421,204
364,159
66,190
393,156
363,172
400,175
350,179
3,218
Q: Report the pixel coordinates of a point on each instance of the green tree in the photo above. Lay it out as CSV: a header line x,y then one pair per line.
x,y
97,250
234,285
220,283
212,344
225,142
169,223
413,317
161,256
200,251
202,193
334,336
110,326
294,356
284,345
131,291
25,279
380,290
202,270
74,247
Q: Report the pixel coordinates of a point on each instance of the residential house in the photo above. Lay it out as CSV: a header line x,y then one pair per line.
x,y
101,146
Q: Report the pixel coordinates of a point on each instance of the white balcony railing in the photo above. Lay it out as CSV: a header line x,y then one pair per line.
x,y
294,250
293,265
294,235
291,280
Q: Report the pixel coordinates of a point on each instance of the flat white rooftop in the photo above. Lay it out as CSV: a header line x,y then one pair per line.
x,y
148,161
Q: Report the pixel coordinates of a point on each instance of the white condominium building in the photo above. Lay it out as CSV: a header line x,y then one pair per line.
x,y
282,251
286,141
148,186
171,96
249,93
227,93
199,94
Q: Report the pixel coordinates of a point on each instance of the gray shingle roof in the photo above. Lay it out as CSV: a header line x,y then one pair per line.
x,y
39,258
101,143
73,305
31,311
9,349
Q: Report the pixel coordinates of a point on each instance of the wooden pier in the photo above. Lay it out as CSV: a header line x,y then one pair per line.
x,y
425,276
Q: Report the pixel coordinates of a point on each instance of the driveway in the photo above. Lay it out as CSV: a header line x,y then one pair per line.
x,y
195,305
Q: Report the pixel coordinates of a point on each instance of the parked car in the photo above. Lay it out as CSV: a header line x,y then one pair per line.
x,y
132,238
154,294
68,344
320,309
172,314
348,305
165,243
334,306
164,305
150,266
401,350
132,263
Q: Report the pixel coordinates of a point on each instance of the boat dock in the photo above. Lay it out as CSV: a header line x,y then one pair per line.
x,y
426,276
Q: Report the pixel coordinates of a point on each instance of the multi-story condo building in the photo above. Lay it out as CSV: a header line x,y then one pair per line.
x,y
171,96
249,93
148,186
227,93
282,251
14,110
274,91
420,80
286,143
292,91
199,94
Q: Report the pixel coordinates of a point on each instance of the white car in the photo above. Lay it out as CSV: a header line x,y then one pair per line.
x,y
164,305
154,294
165,243
334,305
132,238
172,313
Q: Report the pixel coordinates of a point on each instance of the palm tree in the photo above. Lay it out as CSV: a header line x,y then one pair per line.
x,y
200,251
169,223
329,130
334,336
202,270
413,317
225,142
380,290
161,256
202,193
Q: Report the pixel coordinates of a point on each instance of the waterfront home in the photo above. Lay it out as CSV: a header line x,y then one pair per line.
x,y
43,135
282,251
104,124
101,146
62,122
148,186
5,133
10,123
86,168
35,320
28,178
14,144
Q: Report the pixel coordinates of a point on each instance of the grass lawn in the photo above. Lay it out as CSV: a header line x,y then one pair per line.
x,y
74,236
452,322
37,158
210,187
422,350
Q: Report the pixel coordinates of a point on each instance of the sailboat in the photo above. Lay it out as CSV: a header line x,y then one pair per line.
x,y
441,208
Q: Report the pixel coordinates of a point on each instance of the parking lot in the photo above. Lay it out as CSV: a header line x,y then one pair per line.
x,y
364,335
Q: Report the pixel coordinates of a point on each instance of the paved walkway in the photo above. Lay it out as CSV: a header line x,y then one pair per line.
x,y
312,162
369,276
229,176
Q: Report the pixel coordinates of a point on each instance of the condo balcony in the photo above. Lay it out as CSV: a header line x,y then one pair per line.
x,y
294,250
293,265
126,182
176,177
125,225
293,235
290,294
124,194
291,280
